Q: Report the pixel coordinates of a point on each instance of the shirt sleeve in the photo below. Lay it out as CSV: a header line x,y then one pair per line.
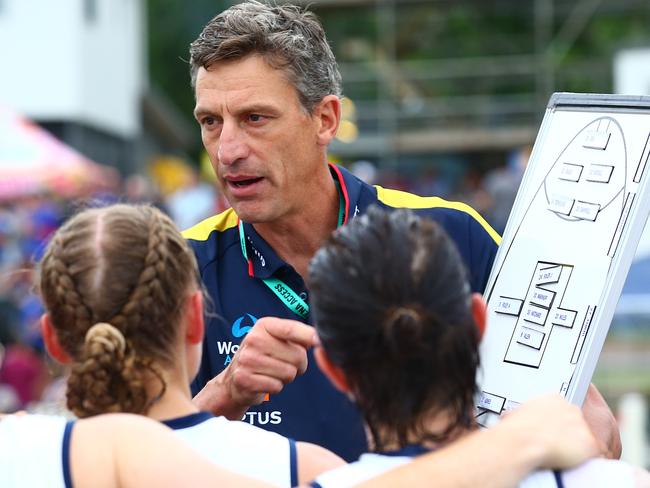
x,y
483,251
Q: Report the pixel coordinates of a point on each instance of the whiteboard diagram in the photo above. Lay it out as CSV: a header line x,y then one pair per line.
x,y
566,250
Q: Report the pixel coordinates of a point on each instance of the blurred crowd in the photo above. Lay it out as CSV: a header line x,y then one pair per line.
x,y
25,225
491,193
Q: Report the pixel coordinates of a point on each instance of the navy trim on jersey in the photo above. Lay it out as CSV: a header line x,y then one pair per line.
x,y
342,187
187,420
65,453
293,462
412,450
558,478
308,409
313,484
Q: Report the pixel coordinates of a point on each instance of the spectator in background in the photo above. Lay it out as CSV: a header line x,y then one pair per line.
x,y
25,227
23,370
23,375
430,182
194,201
501,186
365,171
9,400
11,256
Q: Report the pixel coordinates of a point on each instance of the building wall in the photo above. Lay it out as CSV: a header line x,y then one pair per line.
x,y
76,61
632,71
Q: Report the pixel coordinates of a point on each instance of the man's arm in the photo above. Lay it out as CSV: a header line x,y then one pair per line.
x,y
273,353
544,433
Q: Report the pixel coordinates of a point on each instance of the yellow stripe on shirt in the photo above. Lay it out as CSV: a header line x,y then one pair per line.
x,y
223,221
402,199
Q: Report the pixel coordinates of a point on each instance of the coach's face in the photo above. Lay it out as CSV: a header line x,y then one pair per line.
x,y
261,141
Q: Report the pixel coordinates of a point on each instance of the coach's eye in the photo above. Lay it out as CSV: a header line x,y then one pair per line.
x,y
257,119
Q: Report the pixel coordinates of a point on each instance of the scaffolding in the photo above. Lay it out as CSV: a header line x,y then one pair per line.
x,y
490,101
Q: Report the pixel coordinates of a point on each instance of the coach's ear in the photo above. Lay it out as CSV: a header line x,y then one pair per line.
x,y
479,312
332,371
52,344
327,114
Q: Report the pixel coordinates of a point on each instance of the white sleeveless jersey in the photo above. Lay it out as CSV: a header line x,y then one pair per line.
x,y
34,451
240,447
596,473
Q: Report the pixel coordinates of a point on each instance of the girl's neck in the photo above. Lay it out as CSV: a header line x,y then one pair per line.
x,y
175,402
437,424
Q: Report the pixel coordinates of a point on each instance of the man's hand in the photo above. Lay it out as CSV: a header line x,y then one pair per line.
x,y
554,430
272,354
602,423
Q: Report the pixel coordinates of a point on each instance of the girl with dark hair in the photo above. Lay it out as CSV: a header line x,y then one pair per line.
x,y
125,310
400,330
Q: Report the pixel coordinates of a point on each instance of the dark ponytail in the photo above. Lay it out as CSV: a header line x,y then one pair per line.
x,y
392,306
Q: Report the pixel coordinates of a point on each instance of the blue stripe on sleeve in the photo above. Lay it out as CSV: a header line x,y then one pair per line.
x,y
293,462
65,454
558,478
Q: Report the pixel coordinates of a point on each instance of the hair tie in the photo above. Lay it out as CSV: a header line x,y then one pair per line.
x,y
405,312
103,332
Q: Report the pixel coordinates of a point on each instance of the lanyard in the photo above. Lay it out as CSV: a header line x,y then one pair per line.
x,y
283,291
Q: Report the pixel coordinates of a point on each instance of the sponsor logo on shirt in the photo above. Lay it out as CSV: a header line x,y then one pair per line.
x,y
240,327
263,418
243,325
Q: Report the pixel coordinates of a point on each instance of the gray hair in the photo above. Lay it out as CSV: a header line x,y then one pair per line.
x,y
286,36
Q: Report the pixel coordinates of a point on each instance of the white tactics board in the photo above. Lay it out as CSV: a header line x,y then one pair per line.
x,y
566,250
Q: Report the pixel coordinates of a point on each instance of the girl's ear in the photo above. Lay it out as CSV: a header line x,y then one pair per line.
x,y
51,340
332,371
479,311
195,327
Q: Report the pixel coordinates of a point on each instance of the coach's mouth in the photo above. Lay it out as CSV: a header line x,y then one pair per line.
x,y
243,185
244,182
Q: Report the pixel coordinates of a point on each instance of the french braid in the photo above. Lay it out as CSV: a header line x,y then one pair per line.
x,y
72,308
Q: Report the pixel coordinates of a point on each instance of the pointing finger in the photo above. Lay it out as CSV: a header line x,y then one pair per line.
x,y
289,330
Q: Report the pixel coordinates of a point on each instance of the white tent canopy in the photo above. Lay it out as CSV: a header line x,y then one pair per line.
x,y
32,161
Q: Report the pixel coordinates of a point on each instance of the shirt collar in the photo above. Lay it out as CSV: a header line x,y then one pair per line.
x,y
264,260
187,420
411,450
351,187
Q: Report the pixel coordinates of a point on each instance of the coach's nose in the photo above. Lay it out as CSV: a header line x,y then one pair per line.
x,y
232,144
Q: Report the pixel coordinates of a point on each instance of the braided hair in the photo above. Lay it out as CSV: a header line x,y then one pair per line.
x,y
113,281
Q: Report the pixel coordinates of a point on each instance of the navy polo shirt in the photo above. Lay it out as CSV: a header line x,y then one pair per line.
x,y
309,408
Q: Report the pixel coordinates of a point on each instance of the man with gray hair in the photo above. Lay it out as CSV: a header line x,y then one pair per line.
x,y
268,92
